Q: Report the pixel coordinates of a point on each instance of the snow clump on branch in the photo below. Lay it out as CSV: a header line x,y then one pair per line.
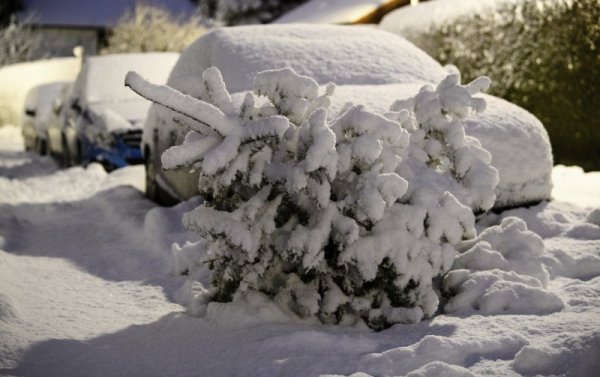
x,y
332,220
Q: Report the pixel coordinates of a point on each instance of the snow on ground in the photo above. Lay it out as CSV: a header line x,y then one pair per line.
x,y
87,288
572,185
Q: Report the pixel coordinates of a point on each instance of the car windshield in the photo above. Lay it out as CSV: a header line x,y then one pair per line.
x,y
132,110
102,79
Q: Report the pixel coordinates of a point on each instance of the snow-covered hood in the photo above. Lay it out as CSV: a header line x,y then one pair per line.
x,y
119,116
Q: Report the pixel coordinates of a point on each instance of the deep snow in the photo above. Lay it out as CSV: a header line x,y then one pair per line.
x,y
87,288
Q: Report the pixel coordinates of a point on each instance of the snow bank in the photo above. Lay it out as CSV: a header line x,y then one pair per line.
x,y
84,291
573,185
554,219
66,185
431,348
501,271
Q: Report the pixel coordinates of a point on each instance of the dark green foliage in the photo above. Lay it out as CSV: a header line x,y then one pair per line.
x,y
7,9
241,12
543,58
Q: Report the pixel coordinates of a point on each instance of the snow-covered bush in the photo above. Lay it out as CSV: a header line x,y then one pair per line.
x,y
18,43
542,55
242,12
318,215
151,29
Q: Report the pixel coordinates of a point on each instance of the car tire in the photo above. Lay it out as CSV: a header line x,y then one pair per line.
x,y
40,146
65,157
151,184
77,157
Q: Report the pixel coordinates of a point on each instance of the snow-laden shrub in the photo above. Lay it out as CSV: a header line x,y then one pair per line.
x,y
443,157
501,271
243,12
543,56
316,214
18,42
149,28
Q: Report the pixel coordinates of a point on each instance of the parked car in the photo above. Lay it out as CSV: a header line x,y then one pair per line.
x,y
103,121
56,142
370,67
37,115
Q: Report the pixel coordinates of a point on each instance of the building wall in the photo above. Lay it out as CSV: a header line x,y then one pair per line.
x,y
17,79
60,41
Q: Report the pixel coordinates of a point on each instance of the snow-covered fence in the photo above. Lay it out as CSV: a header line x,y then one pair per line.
x,y
338,220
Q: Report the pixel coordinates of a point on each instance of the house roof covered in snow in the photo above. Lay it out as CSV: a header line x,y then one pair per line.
x,y
92,13
340,11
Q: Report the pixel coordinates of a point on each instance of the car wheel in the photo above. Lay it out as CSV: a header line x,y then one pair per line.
x,y
77,157
65,160
40,146
151,185
28,144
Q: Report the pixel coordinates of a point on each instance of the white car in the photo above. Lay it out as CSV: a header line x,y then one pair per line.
x,y
370,67
56,141
103,121
38,115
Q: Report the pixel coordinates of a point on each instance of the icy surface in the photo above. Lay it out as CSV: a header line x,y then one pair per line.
x,y
84,291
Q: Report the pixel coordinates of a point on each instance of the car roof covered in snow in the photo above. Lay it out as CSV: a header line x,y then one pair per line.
x,y
102,77
43,93
343,54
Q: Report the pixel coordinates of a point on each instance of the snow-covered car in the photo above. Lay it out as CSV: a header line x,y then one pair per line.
x,y
370,67
38,112
104,119
56,141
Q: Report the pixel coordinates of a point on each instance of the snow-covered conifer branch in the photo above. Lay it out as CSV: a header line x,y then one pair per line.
x,y
168,97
